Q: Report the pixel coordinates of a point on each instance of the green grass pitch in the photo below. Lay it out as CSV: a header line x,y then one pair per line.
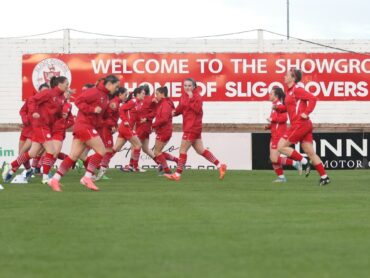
x,y
141,225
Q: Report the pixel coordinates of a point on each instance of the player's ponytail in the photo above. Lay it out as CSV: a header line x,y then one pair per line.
x,y
55,81
279,93
44,85
163,91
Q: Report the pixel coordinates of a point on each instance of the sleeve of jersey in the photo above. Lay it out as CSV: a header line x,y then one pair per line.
x,y
24,113
153,112
84,101
124,108
163,117
36,100
195,104
70,120
180,107
300,93
279,118
111,119
280,108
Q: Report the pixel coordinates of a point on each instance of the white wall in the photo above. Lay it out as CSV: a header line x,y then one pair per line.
x,y
11,52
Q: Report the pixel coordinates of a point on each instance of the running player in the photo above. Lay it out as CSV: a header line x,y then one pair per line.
x,y
25,140
190,106
109,127
163,127
300,104
278,126
44,109
92,105
128,116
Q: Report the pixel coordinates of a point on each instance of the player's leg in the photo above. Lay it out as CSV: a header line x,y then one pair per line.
x,y
199,148
159,158
8,172
284,147
98,146
184,147
316,162
278,168
76,150
136,147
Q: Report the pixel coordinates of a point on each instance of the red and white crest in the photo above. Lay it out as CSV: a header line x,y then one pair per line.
x,y
47,68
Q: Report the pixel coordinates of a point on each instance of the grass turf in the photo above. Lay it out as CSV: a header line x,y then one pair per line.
x,y
141,225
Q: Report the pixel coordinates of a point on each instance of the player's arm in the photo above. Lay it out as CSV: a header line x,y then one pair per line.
x,y
301,94
196,103
84,102
35,101
23,112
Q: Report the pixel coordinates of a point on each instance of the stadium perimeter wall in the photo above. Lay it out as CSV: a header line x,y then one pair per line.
x,y
243,119
219,116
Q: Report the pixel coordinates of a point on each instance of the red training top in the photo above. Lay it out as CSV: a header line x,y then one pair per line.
x,y
87,103
192,112
163,118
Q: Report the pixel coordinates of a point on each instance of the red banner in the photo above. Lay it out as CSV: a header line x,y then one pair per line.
x,y
222,76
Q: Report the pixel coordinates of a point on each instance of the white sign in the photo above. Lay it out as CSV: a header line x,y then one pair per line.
x,y
234,149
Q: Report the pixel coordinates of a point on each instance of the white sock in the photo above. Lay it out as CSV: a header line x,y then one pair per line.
x,y
45,176
282,176
57,177
88,175
324,176
177,174
304,161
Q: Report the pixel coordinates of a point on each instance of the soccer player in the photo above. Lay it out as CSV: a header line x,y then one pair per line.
x,y
300,104
163,127
190,106
278,126
109,127
59,130
92,105
45,108
128,114
144,121
25,140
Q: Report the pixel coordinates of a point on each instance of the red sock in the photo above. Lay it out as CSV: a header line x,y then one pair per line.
x,y
47,163
320,169
27,165
106,159
135,157
65,166
210,157
40,161
86,162
162,160
282,160
94,162
170,157
62,156
19,161
296,156
35,161
277,168
182,162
